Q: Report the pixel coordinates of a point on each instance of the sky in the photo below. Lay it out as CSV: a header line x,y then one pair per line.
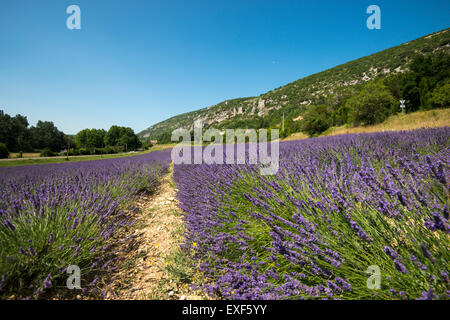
x,y
137,62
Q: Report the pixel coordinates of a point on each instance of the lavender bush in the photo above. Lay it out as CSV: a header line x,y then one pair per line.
x,y
56,215
337,206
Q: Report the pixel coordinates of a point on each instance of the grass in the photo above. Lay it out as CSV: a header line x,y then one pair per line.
x,y
410,121
296,136
14,155
23,162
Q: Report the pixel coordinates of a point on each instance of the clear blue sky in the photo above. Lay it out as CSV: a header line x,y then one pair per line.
x,y
135,63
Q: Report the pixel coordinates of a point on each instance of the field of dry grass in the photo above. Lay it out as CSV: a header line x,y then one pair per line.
x,y
25,155
296,136
416,120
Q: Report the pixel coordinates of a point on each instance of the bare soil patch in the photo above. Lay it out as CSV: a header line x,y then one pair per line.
x,y
155,267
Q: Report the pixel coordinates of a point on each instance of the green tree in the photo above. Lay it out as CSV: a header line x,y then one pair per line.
x,y
164,137
122,136
263,122
90,139
416,86
81,138
46,135
440,97
69,141
22,133
4,153
95,138
340,115
371,105
146,144
112,136
4,126
14,132
424,93
316,120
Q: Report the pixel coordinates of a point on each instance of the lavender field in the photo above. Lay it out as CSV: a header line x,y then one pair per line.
x,y
339,207
357,216
56,215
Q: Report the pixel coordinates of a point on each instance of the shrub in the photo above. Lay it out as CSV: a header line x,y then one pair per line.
x,y
371,105
316,120
48,153
118,149
84,151
147,144
110,150
4,153
73,152
441,96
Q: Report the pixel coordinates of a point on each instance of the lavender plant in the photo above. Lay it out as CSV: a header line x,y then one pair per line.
x,y
337,206
56,215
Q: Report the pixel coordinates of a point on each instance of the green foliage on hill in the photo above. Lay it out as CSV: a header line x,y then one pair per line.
x,y
440,97
419,82
426,74
317,120
373,104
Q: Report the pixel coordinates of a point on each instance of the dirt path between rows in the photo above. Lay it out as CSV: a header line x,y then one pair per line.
x,y
157,268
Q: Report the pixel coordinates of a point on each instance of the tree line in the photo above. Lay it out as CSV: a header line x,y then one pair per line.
x,y
17,136
116,139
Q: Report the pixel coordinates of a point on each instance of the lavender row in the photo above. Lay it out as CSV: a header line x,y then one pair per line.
x,y
339,208
56,215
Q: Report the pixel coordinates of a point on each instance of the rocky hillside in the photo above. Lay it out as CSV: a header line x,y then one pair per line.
x,y
329,86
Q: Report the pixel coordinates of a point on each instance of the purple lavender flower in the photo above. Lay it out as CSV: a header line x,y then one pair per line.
x,y
47,282
427,253
445,277
73,193
427,295
390,252
32,251
400,267
344,284
9,225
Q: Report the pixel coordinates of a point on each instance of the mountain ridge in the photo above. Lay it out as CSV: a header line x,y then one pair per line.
x,y
329,86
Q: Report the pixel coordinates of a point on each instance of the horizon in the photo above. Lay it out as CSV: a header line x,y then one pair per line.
x,y
130,73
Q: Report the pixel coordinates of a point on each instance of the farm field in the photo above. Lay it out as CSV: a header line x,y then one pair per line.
x,y
35,159
340,211
224,159
338,207
56,215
